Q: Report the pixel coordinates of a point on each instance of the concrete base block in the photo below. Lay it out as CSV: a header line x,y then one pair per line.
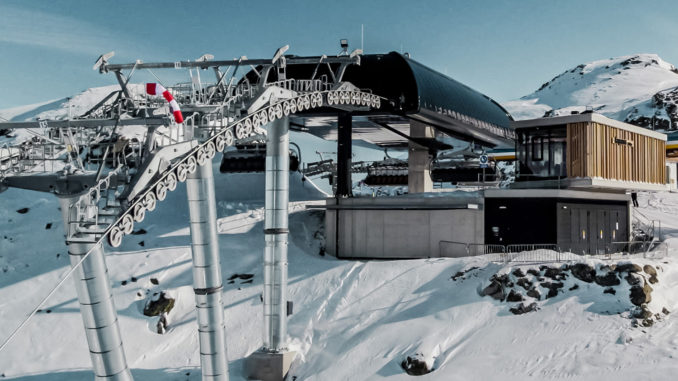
x,y
267,366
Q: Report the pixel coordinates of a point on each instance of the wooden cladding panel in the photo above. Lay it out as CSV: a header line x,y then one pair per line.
x,y
598,150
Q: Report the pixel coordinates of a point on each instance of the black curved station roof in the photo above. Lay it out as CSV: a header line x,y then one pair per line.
x,y
415,92
415,86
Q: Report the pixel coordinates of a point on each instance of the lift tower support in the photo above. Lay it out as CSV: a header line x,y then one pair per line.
x,y
273,360
94,294
207,280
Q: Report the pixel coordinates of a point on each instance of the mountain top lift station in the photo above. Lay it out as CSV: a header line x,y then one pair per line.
x,y
572,175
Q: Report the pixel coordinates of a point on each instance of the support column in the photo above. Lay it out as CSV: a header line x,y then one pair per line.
x,y
96,300
273,361
344,154
207,280
418,160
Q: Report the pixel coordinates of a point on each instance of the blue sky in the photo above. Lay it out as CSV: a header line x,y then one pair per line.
x,y
504,49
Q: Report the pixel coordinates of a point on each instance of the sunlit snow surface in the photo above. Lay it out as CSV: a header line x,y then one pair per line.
x,y
353,320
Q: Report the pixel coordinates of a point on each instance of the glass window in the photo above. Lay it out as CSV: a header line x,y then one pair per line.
x,y
537,148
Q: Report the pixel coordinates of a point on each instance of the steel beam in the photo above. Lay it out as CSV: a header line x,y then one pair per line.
x,y
236,62
86,123
344,154
96,300
207,280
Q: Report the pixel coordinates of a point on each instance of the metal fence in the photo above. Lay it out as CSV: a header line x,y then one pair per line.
x,y
539,253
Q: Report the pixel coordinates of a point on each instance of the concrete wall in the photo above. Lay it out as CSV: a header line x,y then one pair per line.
x,y
402,227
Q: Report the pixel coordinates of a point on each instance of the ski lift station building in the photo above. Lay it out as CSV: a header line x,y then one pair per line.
x,y
574,176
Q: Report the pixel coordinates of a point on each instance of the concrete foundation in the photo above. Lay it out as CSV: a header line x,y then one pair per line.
x,y
268,366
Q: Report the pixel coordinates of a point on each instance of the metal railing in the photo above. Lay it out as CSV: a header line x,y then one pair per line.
x,y
540,253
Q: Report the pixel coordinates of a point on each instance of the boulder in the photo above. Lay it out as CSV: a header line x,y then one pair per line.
x,y
649,270
415,365
633,279
628,267
534,293
609,290
609,279
553,273
159,303
518,273
642,313
583,272
522,308
533,272
524,283
641,294
514,296
552,287
495,290
653,279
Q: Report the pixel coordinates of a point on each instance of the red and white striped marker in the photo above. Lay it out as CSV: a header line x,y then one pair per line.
x,y
158,89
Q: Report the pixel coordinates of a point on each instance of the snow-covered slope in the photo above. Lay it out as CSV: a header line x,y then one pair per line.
x,y
353,320
618,87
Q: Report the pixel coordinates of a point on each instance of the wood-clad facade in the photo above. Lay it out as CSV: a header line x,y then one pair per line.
x,y
589,151
599,150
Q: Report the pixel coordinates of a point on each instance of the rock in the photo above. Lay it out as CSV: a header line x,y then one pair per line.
x,y
553,273
533,272
647,322
139,232
495,290
642,313
665,311
518,273
576,286
653,279
458,275
609,290
583,272
607,268
155,281
514,296
48,226
522,308
553,288
158,304
534,293
415,365
641,294
524,283
649,270
633,279
609,279
23,210
628,267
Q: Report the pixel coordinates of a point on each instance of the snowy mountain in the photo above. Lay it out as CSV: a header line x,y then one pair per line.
x,y
641,89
